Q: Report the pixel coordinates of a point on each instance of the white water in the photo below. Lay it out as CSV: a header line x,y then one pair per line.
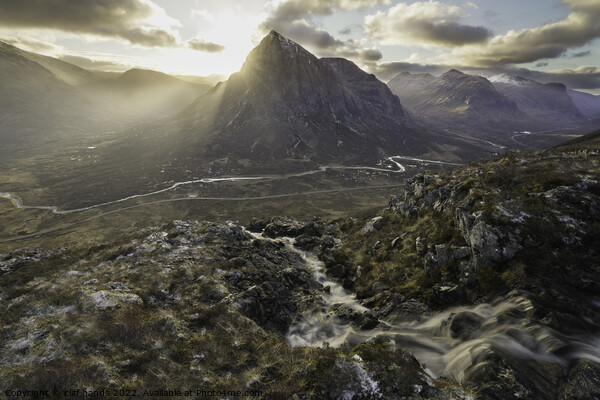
x,y
506,328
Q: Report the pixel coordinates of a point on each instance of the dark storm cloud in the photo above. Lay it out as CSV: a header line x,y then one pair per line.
x,y
580,27
292,18
203,45
447,33
111,18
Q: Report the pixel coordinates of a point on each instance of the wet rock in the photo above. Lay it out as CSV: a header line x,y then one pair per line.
x,y
367,321
372,226
465,325
278,227
257,225
447,295
583,382
337,271
328,242
306,242
311,228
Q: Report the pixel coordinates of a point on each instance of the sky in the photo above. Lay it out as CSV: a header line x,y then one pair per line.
x,y
544,40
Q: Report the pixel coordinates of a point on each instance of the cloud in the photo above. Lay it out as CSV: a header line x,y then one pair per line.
x,y
580,27
203,45
425,23
581,54
140,22
490,14
293,19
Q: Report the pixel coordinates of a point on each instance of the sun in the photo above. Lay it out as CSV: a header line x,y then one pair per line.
x,y
233,31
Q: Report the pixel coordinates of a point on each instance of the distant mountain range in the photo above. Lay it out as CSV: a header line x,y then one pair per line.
x,y
455,97
284,105
43,99
501,102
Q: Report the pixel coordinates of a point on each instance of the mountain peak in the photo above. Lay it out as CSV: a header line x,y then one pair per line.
x,y
276,58
453,72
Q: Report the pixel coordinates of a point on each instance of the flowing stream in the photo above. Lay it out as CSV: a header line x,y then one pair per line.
x,y
452,343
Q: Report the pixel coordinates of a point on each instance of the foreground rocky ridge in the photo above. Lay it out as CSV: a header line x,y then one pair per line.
x,y
208,305
190,304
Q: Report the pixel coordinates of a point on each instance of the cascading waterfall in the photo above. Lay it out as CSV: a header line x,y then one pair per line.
x,y
451,343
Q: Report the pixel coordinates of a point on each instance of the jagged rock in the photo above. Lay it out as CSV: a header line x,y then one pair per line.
x,y
461,252
583,382
443,255
367,321
279,227
421,246
379,287
311,228
372,226
257,225
306,242
448,295
465,325
395,242
328,241
104,299
337,271
375,247
431,263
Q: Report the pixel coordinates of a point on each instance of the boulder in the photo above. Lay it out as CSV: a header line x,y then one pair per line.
x,y
443,255
372,226
257,225
583,382
421,246
465,325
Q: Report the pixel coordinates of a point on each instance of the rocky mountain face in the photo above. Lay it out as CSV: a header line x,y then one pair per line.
x,y
287,103
587,103
548,103
525,224
457,98
503,102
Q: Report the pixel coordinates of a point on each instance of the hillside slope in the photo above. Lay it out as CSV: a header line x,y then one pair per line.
x,y
487,273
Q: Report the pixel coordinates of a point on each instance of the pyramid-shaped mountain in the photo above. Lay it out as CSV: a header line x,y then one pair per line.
x,y
285,103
